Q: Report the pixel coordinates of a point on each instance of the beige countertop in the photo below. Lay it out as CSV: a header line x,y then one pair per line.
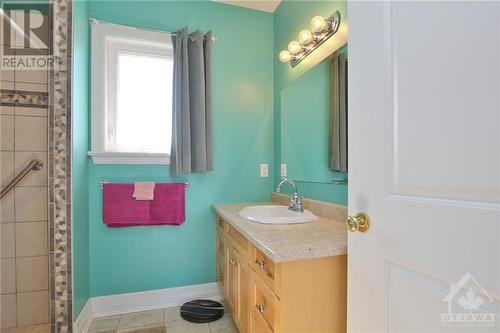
x,y
322,238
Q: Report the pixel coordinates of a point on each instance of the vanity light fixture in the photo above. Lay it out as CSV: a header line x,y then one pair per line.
x,y
309,40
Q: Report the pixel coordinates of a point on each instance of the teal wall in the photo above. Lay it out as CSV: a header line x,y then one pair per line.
x,y
146,258
248,80
289,19
80,162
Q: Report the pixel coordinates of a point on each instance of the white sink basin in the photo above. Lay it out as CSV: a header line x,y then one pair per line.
x,y
276,215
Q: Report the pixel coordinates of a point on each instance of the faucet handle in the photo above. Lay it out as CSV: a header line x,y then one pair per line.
x,y
296,203
299,205
299,199
293,199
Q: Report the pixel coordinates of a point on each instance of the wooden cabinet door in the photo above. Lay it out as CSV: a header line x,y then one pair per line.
x,y
242,316
231,279
238,274
220,252
221,270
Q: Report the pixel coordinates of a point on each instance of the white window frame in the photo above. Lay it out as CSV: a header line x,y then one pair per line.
x,y
108,40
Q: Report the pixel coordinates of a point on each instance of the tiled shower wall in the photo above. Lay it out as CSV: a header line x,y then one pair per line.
x,y
24,229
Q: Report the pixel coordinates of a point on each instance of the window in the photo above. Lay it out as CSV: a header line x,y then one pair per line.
x,y
143,111
131,95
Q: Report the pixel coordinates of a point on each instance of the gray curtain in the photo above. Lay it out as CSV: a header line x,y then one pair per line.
x,y
192,103
338,114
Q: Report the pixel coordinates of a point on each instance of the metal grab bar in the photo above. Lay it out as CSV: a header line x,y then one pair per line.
x,y
34,165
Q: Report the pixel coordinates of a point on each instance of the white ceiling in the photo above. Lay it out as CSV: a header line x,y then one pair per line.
x,y
265,6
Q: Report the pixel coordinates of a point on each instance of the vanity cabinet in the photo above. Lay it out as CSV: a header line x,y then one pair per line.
x,y
235,272
241,274
264,296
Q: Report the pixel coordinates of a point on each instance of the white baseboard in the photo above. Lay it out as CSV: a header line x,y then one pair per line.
x,y
143,301
154,299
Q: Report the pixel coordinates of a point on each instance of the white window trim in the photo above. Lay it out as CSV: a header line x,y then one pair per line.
x,y
106,41
129,158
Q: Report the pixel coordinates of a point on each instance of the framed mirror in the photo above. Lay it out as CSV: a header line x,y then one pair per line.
x,y
314,125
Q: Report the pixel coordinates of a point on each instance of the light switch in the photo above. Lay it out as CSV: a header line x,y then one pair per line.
x,y
283,170
264,170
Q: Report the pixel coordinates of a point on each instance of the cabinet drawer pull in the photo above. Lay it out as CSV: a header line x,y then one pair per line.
x,y
232,262
219,222
220,245
261,308
220,275
261,263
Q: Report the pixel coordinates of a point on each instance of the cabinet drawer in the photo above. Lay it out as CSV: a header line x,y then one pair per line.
x,y
265,268
240,242
219,243
265,306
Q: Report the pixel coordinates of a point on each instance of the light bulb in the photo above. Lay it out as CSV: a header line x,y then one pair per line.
x,y
305,37
285,56
318,23
294,47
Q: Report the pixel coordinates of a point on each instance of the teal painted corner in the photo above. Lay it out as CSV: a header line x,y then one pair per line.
x,y
147,258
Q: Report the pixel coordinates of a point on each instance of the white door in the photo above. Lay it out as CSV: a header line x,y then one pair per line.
x,y
424,164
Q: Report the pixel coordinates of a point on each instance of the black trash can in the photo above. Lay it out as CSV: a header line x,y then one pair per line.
x,y
202,311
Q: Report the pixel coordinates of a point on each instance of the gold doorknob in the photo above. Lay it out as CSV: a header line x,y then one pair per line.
x,y
360,222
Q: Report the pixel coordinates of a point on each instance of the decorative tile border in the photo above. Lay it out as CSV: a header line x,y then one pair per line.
x,y
60,169
23,98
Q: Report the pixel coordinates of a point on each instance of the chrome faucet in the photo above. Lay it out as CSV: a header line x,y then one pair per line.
x,y
295,204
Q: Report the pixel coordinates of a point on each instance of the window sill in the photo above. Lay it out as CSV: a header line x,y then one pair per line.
x,y
128,158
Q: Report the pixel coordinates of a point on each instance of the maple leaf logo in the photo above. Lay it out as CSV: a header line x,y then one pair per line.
x,y
470,301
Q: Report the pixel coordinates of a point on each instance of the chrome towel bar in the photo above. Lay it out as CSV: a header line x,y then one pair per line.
x,y
34,165
102,182
334,181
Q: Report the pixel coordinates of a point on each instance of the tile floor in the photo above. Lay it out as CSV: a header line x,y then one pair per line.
x,y
160,321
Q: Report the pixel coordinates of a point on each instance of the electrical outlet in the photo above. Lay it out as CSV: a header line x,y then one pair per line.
x,y
264,170
283,170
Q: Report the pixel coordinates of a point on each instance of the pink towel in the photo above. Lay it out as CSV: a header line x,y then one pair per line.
x,y
120,209
168,207
144,191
